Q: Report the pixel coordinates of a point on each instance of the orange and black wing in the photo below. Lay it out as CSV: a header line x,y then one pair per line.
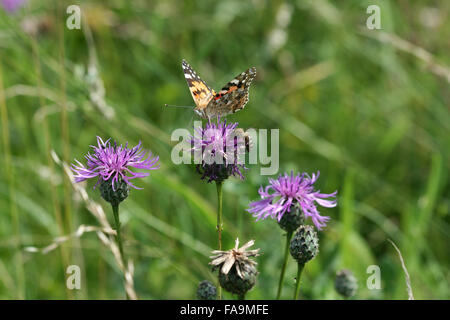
x,y
200,91
234,95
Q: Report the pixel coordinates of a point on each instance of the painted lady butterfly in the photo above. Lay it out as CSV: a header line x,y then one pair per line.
x,y
230,99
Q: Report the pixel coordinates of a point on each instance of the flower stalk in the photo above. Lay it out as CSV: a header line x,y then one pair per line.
x,y
118,237
283,268
115,208
219,185
297,284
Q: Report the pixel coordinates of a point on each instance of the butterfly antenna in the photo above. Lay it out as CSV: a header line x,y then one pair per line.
x,y
174,106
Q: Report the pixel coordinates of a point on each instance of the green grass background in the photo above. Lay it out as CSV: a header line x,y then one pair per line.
x,y
373,119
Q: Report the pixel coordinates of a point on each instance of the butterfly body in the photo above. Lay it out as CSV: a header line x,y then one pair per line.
x,y
230,99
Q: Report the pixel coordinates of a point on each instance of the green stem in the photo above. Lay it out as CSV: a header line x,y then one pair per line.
x,y
283,269
299,275
118,236
117,227
219,222
241,297
219,212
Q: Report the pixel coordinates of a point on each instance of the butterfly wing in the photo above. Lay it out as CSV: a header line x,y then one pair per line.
x,y
233,96
200,91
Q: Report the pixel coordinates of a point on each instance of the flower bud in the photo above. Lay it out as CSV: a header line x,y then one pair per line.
x,y
114,195
304,245
345,283
206,291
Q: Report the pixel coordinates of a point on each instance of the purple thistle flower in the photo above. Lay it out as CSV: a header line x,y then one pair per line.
x,y
12,5
218,150
287,192
113,163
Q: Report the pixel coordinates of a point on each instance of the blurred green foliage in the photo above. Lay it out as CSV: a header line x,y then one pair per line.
x,y
372,118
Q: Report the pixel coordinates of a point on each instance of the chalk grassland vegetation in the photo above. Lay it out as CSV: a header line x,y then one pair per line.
x,y
369,109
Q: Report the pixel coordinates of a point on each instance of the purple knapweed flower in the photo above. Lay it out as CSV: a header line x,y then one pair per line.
x,y
218,150
12,5
288,192
112,162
